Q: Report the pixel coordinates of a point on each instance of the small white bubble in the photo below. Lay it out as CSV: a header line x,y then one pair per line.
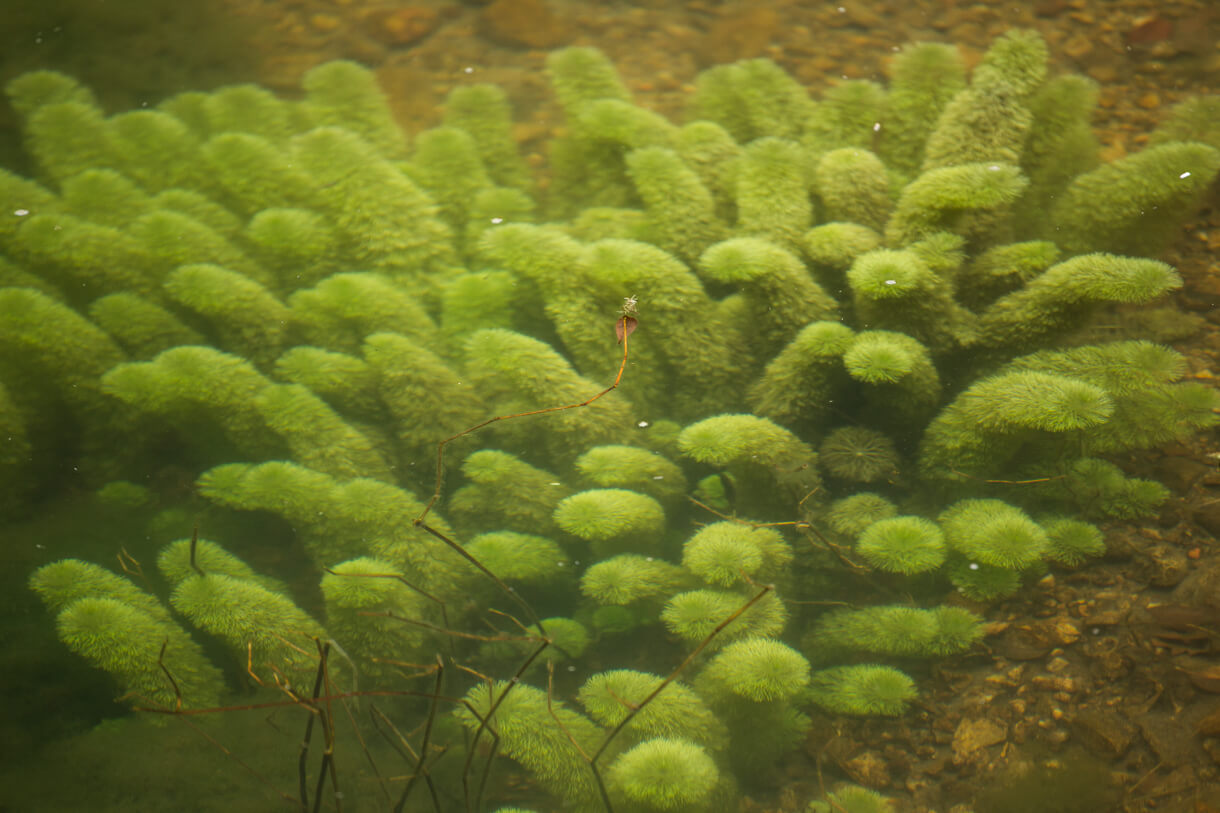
x,y
1184,175
647,558
556,483
642,424
994,167
468,69
571,668
891,282
974,565
21,212
876,126
497,220
658,477
841,10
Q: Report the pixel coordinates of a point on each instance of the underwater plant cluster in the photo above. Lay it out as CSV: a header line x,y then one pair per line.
x,y
858,352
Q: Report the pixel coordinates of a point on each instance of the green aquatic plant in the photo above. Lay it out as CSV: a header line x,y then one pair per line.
x,y
677,712
611,518
852,799
851,515
256,624
666,774
862,689
902,545
756,685
389,366
858,454
694,615
524,723
137,649
725,554
894,631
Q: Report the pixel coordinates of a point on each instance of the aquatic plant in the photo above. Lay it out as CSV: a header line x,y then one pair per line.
x,y
292,304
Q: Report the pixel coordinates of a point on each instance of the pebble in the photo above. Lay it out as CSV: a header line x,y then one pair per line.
x,y
1106,733
1149,101
972,736
325,22
868,769
1078,46
401,26
739,36
524,23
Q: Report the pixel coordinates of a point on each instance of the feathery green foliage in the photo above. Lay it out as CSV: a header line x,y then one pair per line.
x,y
292,304
862,690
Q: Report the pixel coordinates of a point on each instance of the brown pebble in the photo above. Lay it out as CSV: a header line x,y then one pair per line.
x,y
737,36
1149,101
524,23
401,26
1078,46
325,22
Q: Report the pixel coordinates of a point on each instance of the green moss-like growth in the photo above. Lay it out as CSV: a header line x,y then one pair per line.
x,y
372,609
666,774
1072,542
852,799
757,452
695,614
294,303
612,518
850,516
528,734
128,643
755,683
504,491
895,632
994,533
725,554
60,583
633,468
859,455
517,557
174,562
862,690
902,545
267,628
629,578
756,669
677,712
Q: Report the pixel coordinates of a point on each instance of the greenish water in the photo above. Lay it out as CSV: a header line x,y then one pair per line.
x,y
767,403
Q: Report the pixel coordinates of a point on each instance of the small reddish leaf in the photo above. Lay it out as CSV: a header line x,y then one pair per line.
x,y
625,326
